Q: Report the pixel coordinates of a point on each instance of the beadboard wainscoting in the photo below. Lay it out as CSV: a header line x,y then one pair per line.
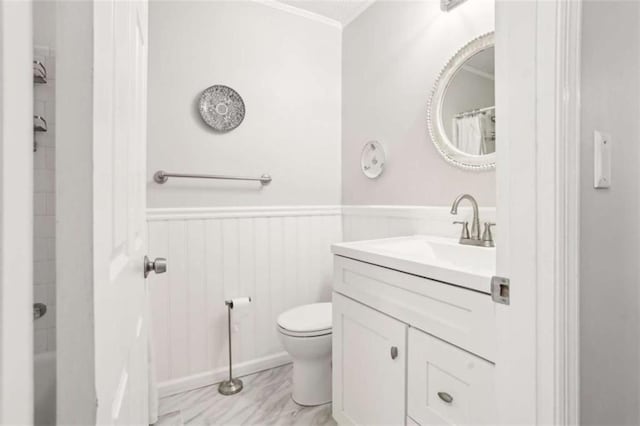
x,y
280,256
370,222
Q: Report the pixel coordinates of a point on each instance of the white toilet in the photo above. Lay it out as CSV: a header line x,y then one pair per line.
x,y
306,335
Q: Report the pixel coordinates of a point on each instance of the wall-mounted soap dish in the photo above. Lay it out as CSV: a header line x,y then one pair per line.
x,y
372,159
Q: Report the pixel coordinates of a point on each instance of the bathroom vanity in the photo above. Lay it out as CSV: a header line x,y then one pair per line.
x,y
413,332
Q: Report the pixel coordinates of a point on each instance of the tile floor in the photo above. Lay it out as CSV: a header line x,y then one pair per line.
x,y
265,400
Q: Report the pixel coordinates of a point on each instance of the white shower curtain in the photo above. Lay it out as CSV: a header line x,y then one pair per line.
x,y
488,129
468,134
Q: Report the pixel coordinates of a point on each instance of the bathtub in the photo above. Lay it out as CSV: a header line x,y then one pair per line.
x,y
44,394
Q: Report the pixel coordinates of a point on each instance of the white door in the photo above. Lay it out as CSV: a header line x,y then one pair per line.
x,y
119,201
448,385
537,100
369,360
16,213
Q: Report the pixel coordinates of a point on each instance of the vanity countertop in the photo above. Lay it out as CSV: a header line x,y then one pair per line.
x,y
437,258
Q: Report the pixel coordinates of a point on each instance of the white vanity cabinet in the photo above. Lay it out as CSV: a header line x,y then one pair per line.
x,y
370,366
409,350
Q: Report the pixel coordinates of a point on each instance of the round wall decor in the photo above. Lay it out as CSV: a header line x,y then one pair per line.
x,y
221,107
372,159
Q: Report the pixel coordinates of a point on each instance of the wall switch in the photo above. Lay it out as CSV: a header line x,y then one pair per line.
x,y
601,160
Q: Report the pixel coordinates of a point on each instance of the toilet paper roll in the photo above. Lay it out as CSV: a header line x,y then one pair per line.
x,y
240,310
239,302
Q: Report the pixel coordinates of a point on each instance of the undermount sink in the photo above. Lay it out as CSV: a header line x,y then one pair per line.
x,y
437,258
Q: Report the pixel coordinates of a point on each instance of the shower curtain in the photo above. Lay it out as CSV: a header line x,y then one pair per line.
x,y
469,134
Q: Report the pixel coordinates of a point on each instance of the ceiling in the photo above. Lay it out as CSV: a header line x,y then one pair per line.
x,y
342,11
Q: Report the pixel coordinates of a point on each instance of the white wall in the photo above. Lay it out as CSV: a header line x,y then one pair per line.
x,y
609,321
287,69
392,55
16,220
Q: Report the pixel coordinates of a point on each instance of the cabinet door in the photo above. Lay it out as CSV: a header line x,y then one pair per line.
x,y
447,385
369,361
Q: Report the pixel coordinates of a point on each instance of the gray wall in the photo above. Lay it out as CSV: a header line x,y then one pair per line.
x,y
610,218
392,55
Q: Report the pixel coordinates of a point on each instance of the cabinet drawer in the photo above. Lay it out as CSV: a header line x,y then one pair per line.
x,y
461,316
447,385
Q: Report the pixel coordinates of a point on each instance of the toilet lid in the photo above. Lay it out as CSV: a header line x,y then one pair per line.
x,y
305,318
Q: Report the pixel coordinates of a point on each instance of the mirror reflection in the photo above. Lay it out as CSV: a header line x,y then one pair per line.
x,y
468,107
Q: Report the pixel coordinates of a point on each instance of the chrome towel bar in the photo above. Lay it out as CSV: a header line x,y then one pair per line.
x,y
161,177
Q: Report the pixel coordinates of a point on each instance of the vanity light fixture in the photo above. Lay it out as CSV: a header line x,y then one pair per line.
x,y
447,5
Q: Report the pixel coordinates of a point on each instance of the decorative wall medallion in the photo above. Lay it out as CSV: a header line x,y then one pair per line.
x,y
222,108
372,159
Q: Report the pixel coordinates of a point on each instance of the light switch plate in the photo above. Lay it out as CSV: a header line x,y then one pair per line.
x,y
601,160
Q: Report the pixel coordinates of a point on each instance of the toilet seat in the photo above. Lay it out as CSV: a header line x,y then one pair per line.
x,y
306,321
315,333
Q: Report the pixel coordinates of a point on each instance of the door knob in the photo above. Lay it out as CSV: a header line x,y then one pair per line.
x,y
158,265
394,352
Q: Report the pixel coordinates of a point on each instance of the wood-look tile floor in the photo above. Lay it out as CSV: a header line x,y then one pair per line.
x,y
265,400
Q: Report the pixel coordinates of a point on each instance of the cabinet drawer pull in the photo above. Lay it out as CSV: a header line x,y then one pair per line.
x,y
445,397
394,352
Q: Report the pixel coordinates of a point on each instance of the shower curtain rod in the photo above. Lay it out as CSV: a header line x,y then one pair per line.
x,y
475,111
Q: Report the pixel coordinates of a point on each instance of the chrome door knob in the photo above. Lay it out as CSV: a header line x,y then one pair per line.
x,y
158,265
394,352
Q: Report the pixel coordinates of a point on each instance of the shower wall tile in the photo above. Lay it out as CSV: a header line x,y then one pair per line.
x,y
44,205
278,256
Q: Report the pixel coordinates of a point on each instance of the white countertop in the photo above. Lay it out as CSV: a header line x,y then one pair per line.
x,y
437,258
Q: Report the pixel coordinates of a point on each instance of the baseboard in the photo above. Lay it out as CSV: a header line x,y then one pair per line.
x,y
183,384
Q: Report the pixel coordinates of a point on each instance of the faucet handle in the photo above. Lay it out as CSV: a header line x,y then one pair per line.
x,y
465,229
486,234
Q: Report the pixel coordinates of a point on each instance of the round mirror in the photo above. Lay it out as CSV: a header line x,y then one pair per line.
x,y
462,115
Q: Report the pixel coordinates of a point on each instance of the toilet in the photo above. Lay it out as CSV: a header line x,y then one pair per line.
x,y
305,332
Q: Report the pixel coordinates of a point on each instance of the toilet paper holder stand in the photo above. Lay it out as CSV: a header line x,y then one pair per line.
x,y
230,386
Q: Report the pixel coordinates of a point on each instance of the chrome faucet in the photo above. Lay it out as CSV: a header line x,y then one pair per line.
x,y
473,238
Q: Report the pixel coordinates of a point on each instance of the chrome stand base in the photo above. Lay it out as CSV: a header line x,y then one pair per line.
x,y
230,387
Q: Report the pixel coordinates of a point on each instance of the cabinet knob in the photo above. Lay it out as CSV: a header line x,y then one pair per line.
x,y
445,397
394,352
